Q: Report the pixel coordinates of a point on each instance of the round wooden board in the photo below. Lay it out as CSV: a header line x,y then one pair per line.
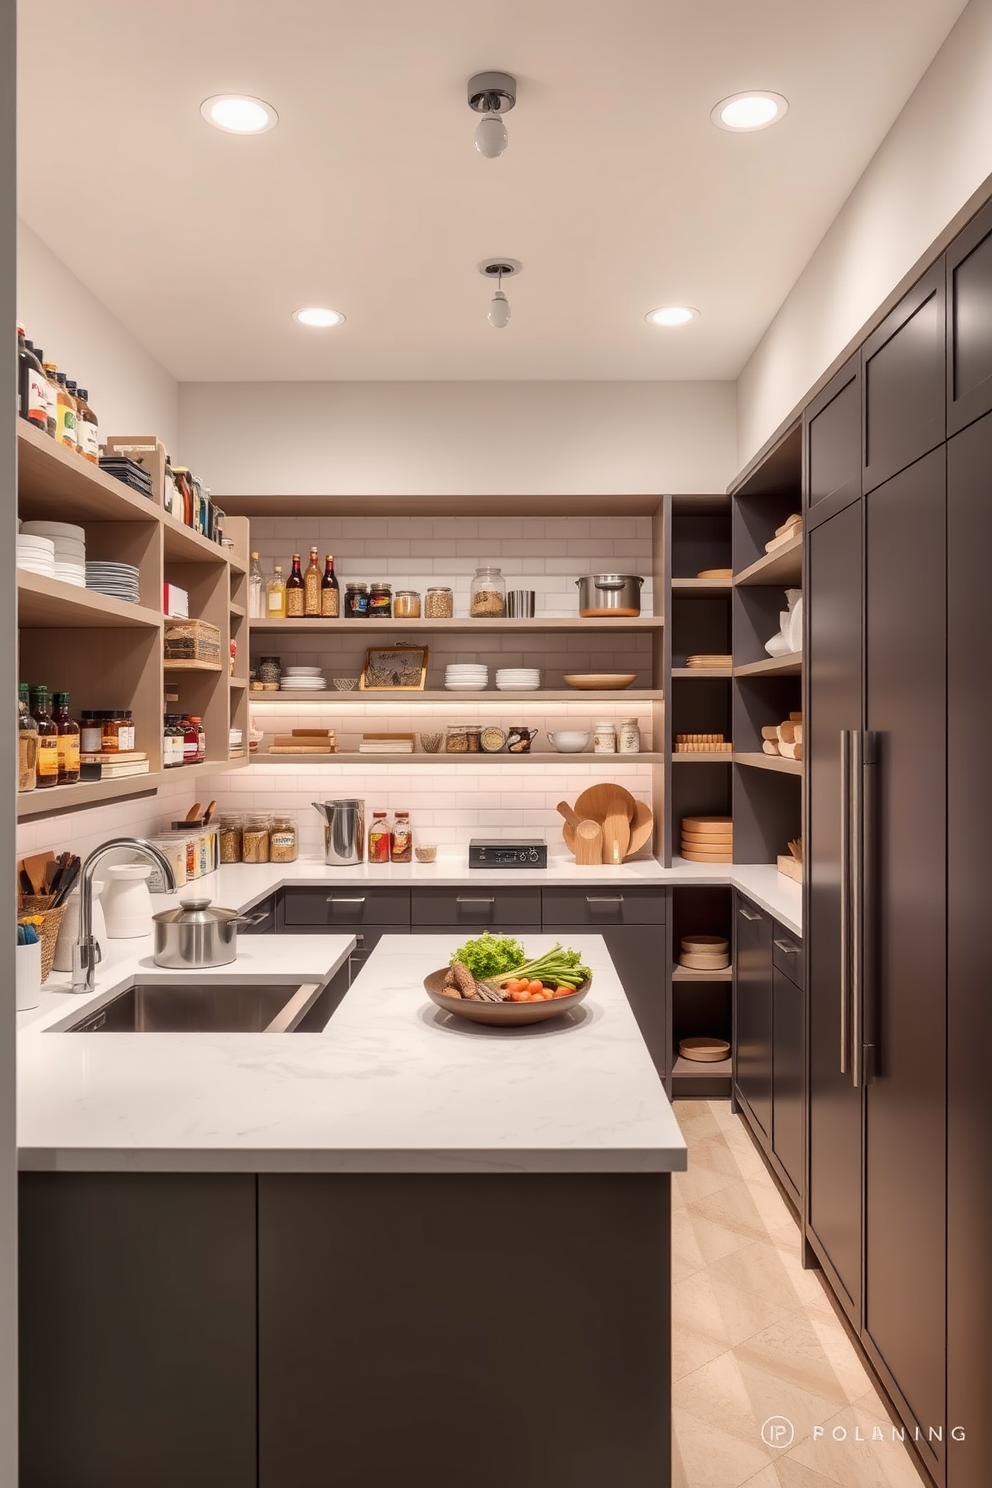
x,y
705,945
692,856
704,1050
707,824
697,962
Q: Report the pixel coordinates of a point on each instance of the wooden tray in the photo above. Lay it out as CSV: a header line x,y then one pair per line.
x,y
599,681
704,1050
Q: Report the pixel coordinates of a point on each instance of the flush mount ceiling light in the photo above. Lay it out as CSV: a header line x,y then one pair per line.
x,y
499,306
236,113
491,94
743,112
315,316
671,315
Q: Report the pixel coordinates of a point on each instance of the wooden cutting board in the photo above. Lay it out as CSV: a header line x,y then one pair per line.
x,y
616,833
588,843
595,803
641,827
691,855
708,839
708,825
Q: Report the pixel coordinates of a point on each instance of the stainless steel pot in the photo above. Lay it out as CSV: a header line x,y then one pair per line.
x,y
196,935
344,831
610,594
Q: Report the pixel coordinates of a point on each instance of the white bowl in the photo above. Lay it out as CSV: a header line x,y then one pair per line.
x,y
570,741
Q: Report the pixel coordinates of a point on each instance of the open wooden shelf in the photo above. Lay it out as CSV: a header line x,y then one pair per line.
x,y
237,609
784,566
394,699
678,671
55,484
385,629
686,588
687,974
776,762
59,798
704,757
721,1069
49,604
789,665
238,682
192,666
354,757
181,544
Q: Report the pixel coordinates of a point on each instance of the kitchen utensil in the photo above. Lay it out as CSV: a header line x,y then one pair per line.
x,y
67,882
610,594
704,1050
599,681
210,813
641,827
196,935
501,1014
563,809
570,741
36,868
520,604
344,831
588,839
195,813
597,801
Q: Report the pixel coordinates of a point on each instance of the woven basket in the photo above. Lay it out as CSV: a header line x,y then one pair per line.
x,y
48,930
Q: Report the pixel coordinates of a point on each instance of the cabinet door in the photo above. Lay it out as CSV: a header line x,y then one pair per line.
x,y
788,1079
833,443
905,931
345,907
833,597
903,382
969,1012
638,953
969,323
753,1012
604,905
475,908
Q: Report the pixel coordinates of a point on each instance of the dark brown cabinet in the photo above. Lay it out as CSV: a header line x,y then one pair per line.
x,y
753,1012
833,443
472,910
638,953
969,323
903,382
788,1082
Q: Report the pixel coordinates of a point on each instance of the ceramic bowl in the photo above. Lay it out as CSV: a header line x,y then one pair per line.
x,y
501,1014
570,741
345,684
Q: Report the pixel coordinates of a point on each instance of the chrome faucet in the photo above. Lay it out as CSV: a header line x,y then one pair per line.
x,y
86,952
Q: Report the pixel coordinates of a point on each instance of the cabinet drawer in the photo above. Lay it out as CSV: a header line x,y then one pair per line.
x,y
602,905
787,954
344,907
484,907
260,919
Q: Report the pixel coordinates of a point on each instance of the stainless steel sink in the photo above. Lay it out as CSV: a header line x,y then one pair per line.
x,y
204,1007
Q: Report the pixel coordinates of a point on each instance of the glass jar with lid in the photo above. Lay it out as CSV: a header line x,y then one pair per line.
x,y
284,838
406,605
488,594
255,839
440,602
380,602
356,601
230,836
463,738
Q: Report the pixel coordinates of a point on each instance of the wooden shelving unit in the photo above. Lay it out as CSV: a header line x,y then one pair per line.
x,y
790,665
434,695
687,974
774,762
49,604
381,631
784,566
441,760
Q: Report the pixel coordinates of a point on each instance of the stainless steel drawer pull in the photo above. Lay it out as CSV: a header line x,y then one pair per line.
x,y
255,919
604,899
340,899
748,915
462,899
787,947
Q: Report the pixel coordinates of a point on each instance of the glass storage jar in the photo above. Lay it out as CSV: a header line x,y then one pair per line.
x,y
488,594
456,738
356,601
381,602
255,839
284,838
440,603
231,829
406,605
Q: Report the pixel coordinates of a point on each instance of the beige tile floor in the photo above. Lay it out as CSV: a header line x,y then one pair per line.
x,y
755,1336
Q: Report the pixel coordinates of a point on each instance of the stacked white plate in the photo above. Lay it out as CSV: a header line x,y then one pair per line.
x,y
518,679
303,679
70,548
118,580
36,554
466,677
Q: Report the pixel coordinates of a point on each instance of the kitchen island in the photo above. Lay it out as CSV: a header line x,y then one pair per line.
x,y
344,1257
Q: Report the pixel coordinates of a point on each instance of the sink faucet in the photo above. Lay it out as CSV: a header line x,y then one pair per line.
x,y
86,953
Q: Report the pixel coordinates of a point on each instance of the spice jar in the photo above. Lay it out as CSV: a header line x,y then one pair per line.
x,y
604,739
456,738
255,839
356,601
381,602
406,605
89,732
379,838
488,594
440,603
629,737
402,839
269,670
284,841
231,829
113,731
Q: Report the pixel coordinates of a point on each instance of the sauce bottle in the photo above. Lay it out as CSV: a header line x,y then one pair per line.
x,y
402,839
330,592
68,740
27,742
51,396
52,374
87,429
48,738
311,588
65,433
295,591
379,838
74,395
275,595
191,740
32,389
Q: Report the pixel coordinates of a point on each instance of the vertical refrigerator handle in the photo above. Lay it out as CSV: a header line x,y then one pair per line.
x,y
845,899
857,844
864,1028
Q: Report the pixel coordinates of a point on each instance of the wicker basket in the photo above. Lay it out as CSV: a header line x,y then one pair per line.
x,y
192,641
48,930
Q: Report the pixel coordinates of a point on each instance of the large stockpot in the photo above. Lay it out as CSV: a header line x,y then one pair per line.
x,y
196,935
610,594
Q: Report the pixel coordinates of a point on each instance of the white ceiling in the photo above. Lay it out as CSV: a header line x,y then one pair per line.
x,y
616,192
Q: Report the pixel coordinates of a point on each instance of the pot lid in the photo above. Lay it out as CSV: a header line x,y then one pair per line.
x,y
195,912
611,578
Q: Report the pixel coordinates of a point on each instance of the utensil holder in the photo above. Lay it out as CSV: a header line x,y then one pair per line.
x,y
48,930
27,976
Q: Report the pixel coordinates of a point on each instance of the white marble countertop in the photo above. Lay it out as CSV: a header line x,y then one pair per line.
x,y
391,1085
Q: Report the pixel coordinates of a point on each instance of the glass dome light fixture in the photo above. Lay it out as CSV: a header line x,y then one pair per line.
x,y
742,113
237,113
491,94
499,305
672,315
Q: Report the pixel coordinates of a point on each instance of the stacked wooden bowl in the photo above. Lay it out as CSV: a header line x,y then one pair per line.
x,y
705,952
708,839
606,824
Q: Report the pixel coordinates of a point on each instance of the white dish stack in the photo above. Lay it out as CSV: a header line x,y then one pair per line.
x,y
466,677
36,555
518,679
68,549
117,580
303,679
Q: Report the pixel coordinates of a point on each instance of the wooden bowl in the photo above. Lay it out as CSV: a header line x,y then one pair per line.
x,y
500,1014
600,681
696,961
705,945
704,1050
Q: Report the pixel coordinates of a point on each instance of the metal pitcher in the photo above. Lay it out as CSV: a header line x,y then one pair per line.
x,y
344,831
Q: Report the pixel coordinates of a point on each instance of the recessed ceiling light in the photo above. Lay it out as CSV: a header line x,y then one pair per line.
x,y
315,316
237,114
671,315
745,111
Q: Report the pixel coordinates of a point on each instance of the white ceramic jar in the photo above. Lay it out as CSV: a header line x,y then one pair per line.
x,y
629,736
127,904
604,738
69,930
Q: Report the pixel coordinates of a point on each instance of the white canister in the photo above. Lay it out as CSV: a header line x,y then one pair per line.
x,y
604,738
127,904
69,930
27,976
629,737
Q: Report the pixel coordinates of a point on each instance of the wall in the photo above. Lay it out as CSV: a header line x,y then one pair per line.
x,y
937,154
421,438
130,392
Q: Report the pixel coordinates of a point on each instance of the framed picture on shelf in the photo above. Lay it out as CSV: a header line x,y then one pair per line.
x,y
394,669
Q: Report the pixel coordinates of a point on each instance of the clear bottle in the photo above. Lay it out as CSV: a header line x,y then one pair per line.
x,y
256,608
65,433
488,599
27,742
380,838
48,738
51,396
275,596
73,392
330,591
401,843
311,588
87,428
32,391
295,591
89,737
68,740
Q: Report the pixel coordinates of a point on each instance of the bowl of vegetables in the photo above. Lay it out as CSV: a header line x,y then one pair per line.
x,y
490,980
